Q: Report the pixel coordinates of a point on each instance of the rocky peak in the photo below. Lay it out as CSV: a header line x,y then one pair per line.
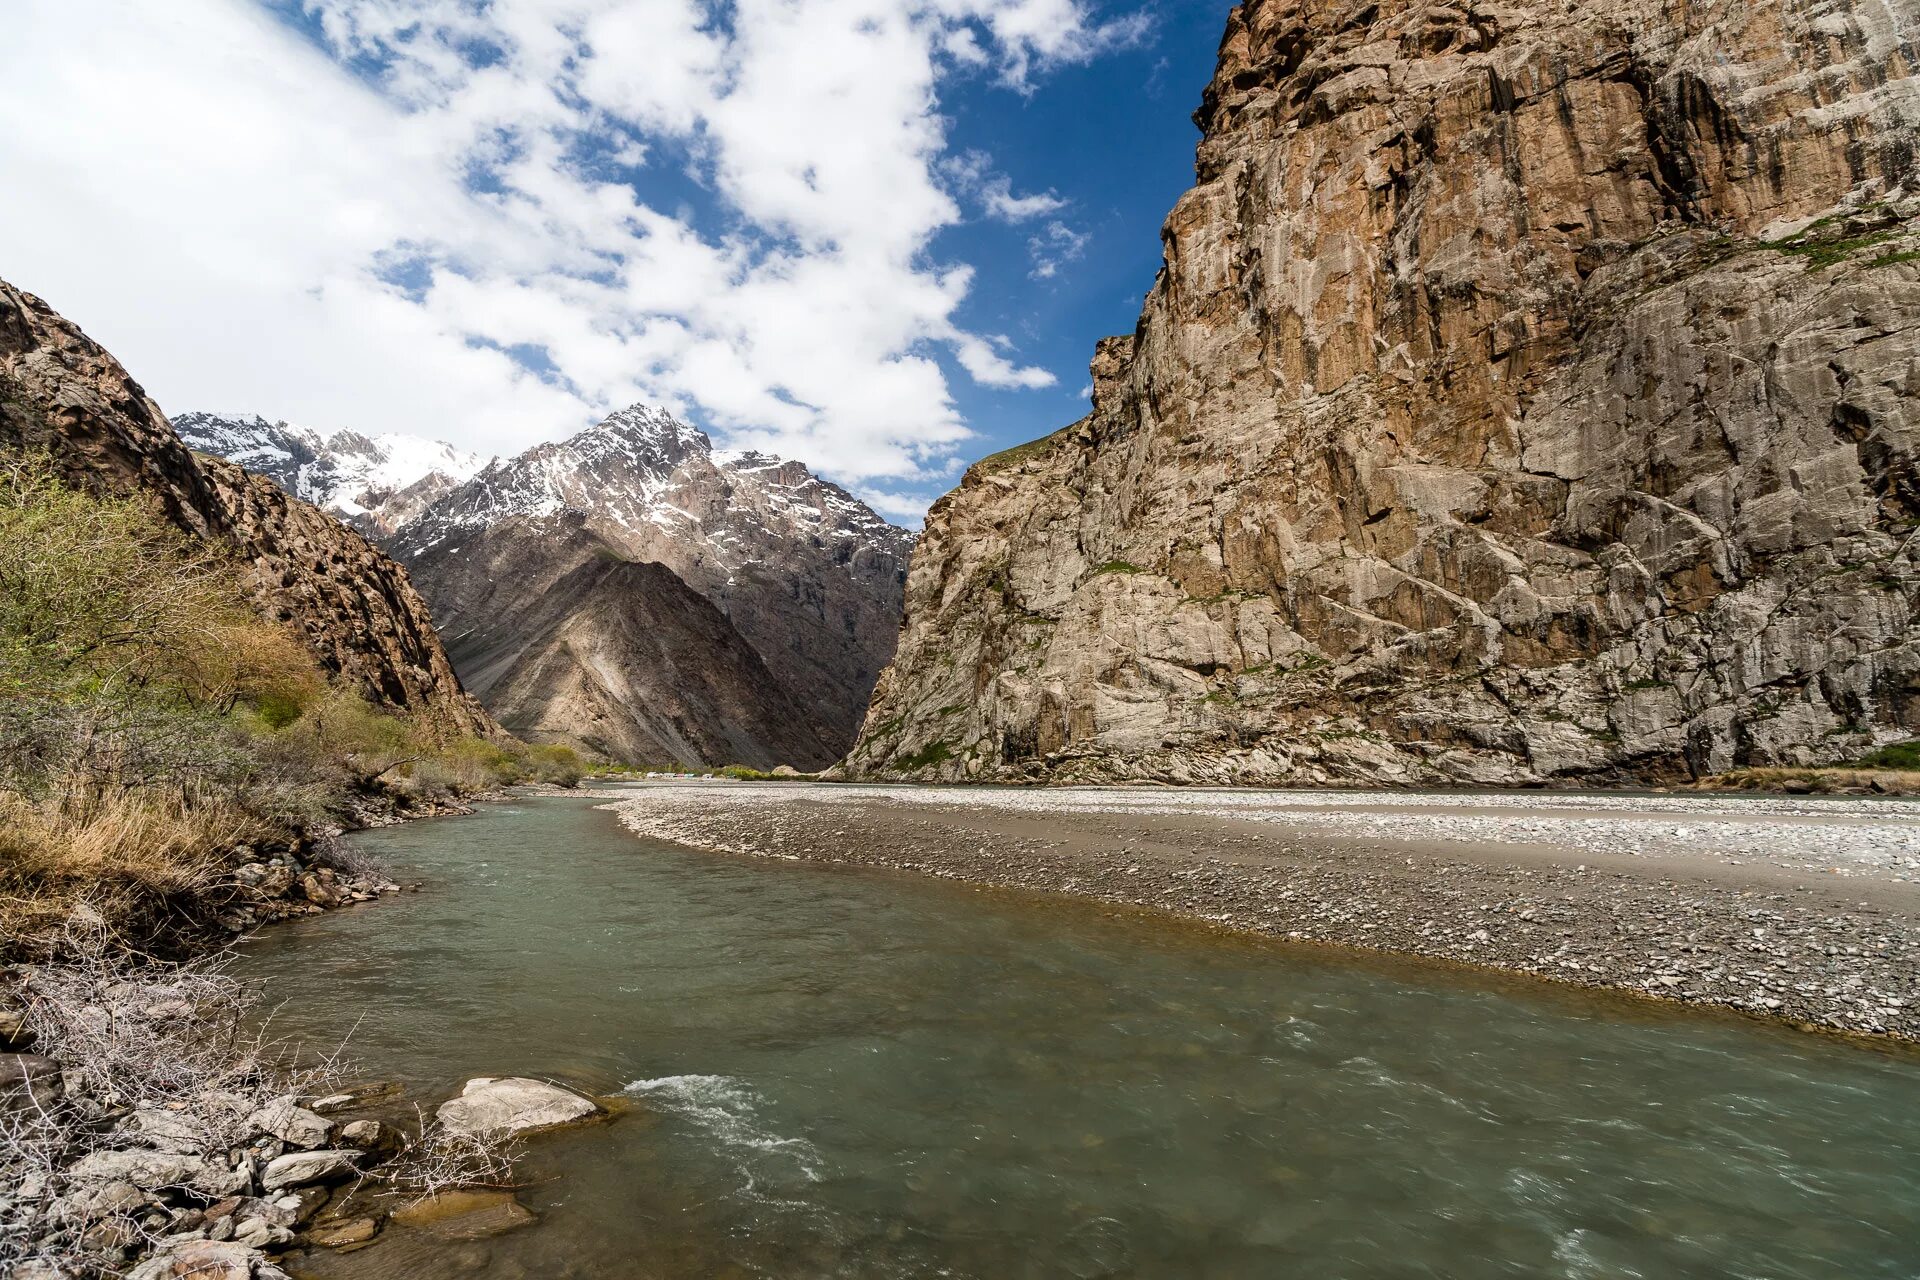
x,y
376,483
810,575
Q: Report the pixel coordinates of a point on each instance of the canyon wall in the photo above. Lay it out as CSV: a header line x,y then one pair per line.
x,y
61,393
1529,393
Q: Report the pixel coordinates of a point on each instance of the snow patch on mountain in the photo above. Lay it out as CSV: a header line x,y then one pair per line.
x,y
378,483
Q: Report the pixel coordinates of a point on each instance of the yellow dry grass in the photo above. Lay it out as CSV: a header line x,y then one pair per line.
x,y
126,863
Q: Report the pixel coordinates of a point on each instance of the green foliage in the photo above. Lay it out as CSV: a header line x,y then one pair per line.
x,y
1821,246
150,721
1898,755
1020,453
932,754
554,763
1118,566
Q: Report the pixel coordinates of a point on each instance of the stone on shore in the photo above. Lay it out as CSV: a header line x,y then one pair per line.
x,y
505,1106
148,1170
301,1168
28,1082
208,1260
293,1124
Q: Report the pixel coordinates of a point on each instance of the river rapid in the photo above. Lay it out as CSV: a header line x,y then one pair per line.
x,y
853,1073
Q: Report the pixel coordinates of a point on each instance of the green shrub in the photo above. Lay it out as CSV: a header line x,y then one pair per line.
x,y
1897,755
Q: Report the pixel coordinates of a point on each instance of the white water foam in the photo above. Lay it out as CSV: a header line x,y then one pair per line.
x,y
727,1108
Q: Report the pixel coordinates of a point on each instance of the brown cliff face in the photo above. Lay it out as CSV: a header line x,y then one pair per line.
x,y
567,640
1529,393
62,393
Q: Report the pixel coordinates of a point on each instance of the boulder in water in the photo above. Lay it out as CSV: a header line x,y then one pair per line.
x,y
505,1106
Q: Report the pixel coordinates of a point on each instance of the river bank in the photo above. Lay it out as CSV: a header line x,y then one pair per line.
x,y
1795,908
146,1119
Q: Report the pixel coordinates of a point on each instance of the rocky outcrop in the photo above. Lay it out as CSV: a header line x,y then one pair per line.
x,y
806,573
1529,393
567,640
61,393
377,484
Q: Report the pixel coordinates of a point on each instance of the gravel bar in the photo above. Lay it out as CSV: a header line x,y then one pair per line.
x,y
1800,908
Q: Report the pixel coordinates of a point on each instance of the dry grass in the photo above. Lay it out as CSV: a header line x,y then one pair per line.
x,y
139,865
442,1160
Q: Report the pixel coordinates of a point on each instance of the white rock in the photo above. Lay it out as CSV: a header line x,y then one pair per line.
x,y
293,1124
203,1260
144,1169
500,1106
298,1168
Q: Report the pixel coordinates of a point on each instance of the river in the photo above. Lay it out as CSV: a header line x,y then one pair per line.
x,y
853,1073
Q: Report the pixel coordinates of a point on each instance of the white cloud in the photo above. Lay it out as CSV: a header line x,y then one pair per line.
x,y
1053,248
971,173
248,224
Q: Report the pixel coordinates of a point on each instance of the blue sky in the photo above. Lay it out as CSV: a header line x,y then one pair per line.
x,y
878,235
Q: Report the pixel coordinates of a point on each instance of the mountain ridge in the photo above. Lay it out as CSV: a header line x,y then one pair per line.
x,y
375,483
62,393
805,572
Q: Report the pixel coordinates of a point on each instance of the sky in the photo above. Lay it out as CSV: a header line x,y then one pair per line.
x,y
881,236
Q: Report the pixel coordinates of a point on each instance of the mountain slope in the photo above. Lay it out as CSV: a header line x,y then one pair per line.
x,y
62,393
1528,393
805,572
375,483
567,641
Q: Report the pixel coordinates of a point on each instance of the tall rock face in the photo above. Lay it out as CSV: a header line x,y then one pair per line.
x,y
809,576
61,393
566,640
1529,393
374,483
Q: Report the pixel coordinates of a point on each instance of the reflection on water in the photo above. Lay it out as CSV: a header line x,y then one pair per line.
x,y
860,1075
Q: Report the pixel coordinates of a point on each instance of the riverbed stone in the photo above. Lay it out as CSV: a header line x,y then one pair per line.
x,y
503,1106
293,1124
378,1140
355,1097
335,1235
148,1170
466,1215
28,1082
302,1168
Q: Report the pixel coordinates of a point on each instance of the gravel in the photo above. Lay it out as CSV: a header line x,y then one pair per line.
x,y
1800,908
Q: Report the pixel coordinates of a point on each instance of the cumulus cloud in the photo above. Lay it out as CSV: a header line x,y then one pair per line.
x,y
438,216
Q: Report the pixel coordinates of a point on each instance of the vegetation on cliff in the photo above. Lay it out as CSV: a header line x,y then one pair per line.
x,y
154,729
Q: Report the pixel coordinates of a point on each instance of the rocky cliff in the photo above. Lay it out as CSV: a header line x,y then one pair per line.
x,y
807,574
566,640
1529,393
61,393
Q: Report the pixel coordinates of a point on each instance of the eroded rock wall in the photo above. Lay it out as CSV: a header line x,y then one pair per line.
x,y
62,393
1529,393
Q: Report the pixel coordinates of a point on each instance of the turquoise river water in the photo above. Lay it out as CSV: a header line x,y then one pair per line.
x,y
855,1074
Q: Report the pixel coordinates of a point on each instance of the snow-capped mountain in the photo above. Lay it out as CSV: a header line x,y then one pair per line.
x,y
806,572
643,468
377,483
